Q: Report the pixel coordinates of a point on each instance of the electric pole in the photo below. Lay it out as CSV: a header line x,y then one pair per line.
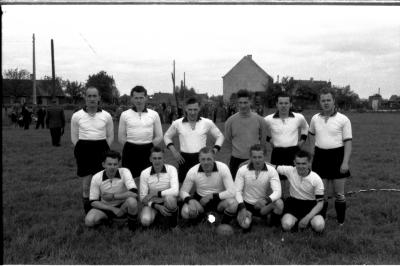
x,y
34,72
53,70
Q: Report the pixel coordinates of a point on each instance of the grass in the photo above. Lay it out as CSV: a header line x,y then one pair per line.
x,y
43,217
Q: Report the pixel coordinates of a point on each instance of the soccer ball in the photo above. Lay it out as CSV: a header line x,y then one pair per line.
x,y
224,230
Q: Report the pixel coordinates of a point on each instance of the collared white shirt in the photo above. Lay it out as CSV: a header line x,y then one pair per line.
x,y
220,181
285,132
166,181
303,188
85,126
139,127
251,188
330,132
191,140
122,182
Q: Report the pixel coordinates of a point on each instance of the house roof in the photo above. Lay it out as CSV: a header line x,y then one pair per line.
x,y
23,87
249,59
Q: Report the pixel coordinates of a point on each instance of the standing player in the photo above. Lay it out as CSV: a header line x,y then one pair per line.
x,y
159,189
242,130
215,190
139,130
92,132
192,131
113,193
253,182
285,127
306,195
333,144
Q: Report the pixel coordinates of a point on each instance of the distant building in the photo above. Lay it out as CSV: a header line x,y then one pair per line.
x,y
315,85
20,91
375,101
394,102
246,74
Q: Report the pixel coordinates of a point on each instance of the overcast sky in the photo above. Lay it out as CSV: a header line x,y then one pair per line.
x,y
136,44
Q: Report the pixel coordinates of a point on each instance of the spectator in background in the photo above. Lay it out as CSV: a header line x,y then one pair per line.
x,y
55,121
26,116
41,114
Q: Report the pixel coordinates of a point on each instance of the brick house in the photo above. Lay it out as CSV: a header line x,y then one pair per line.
x,y
246,74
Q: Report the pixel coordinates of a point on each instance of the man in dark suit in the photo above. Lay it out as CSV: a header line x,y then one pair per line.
x,y
41,114
55,121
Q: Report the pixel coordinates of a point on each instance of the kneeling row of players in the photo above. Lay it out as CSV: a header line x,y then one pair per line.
x,y
209,187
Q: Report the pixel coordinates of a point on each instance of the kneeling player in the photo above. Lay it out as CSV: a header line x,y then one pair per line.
x,y
113,193
159,188
252,183
306,195
215,189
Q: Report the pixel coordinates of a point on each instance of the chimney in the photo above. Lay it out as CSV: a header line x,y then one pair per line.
x,y
311,79
277,79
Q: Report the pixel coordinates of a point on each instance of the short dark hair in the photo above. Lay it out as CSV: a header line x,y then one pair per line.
x,y
192,100
243,93
206,150
156,149
303,154
258,147
283,94
112,154
327,90
139,89
92,87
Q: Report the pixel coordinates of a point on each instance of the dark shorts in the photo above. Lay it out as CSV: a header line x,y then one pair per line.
x,y
89,155
136,157
212,205
326,163
234,164
191,159
298,208
283,156
110,214
250,208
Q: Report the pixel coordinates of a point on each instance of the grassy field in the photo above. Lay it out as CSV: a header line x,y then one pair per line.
x,y
43,216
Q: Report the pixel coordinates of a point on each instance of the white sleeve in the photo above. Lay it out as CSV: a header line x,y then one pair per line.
x,y
128,179
74,129
311,130
158,134
347,134
174,183
122,129
275,184
303,125
318,187
230,189
187,184
144,187
94,193
239,185
171,132
109,129
217,134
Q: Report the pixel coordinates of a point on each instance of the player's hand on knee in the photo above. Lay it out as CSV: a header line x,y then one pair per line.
x,y
259,204
304,222
241,217
162,209
118,212
178,157
206,199
193,208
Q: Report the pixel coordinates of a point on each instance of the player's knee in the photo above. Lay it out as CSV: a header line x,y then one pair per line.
x,y
278,206
171,203
232,205
185,211
132,205
287,222
146,218
90,220
318,223
339,197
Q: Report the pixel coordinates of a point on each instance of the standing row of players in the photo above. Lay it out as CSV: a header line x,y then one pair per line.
x,y
140,130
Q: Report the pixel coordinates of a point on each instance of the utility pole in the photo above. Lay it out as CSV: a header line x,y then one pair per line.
x,y
173,86
34,72
53,72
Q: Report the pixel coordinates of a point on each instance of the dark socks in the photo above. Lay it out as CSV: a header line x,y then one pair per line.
x,y
86,205
340,207
227,217
275,219
132,221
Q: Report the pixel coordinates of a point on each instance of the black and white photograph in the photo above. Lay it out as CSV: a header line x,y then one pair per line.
x,y
200,132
